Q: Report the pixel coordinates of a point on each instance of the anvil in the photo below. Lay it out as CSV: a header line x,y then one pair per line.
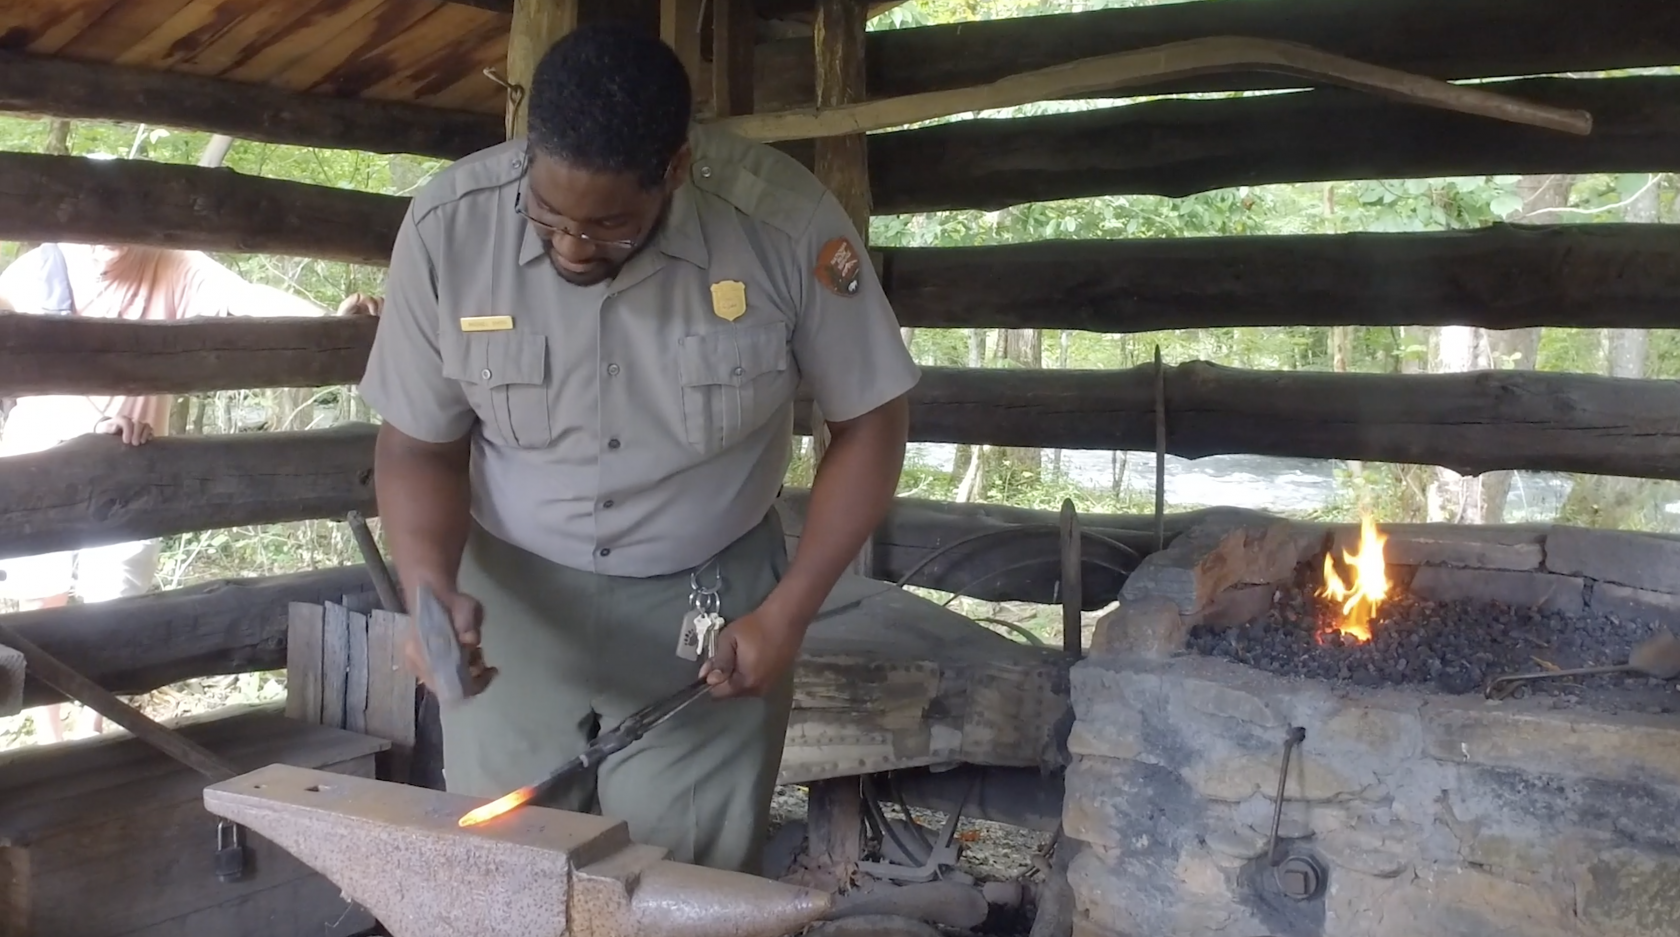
x,y
534,872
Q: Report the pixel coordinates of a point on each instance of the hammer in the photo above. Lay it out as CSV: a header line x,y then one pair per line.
x,y
448,666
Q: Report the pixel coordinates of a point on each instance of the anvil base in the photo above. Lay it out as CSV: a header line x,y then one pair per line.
x,y
535,872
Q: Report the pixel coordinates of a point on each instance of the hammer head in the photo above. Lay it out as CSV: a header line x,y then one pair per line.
x,y
446,661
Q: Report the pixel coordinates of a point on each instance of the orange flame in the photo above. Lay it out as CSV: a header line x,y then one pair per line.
x,y
1370,584
496,807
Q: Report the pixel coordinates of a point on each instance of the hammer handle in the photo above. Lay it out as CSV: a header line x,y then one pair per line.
x,y
63,678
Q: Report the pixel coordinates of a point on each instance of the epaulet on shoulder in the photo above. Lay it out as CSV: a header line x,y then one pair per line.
x,y
760,181
488,168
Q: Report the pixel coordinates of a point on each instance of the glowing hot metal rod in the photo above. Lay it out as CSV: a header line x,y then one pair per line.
x,y
538,872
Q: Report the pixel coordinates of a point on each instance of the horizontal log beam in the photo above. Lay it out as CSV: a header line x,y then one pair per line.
x,y
94,490
1470,422
58,87
1161,147
1441,38
138,644
65,198
1502,277
1182,147
73,355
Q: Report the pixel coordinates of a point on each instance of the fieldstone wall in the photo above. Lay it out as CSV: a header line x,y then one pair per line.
x,y
1430,814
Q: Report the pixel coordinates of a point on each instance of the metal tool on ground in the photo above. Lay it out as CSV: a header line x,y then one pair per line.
x,y
1657,656
394,849
608,743
230,848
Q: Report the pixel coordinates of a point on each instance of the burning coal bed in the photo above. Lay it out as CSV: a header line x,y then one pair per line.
x,y
1452,647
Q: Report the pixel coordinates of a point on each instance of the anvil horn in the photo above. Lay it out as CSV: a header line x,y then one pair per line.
x,y
536,872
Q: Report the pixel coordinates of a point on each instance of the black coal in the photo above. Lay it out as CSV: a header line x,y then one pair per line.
x,y
1454,647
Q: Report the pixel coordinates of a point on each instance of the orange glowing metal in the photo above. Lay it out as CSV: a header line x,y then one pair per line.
x,y
497,807
1370,583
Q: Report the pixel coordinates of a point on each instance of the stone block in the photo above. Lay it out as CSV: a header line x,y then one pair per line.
x,y
1621,557
1230,702
1239,842
1631,893
1149,627
1578,743
1313,780
1469,546
1235,606
1380,852
1228,549
1539,590
1470,903
1127,804
1642,604
1389,737
1105,722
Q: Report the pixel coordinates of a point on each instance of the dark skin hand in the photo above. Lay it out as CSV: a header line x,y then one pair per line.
x,y
853,488
423,496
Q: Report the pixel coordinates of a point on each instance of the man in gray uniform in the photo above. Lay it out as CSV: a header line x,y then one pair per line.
x,y
586,368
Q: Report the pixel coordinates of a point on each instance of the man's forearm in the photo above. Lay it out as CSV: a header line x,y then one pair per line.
x,y
424,501
852,490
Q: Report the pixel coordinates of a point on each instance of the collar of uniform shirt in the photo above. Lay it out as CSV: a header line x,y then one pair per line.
x,y
681,237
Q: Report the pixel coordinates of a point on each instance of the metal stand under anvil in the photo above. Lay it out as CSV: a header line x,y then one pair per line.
x,y
536,872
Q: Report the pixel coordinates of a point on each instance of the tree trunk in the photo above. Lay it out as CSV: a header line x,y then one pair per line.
x,y
966,454
1455,498
1520,348
1021,348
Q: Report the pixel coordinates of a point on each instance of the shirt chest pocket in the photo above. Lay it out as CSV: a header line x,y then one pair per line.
x,y
733,381
504,376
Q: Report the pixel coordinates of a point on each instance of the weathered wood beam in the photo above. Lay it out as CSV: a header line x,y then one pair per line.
x,y
58,87
1502,277
733,45
1440,38
93,489
138,644
1471,422
1181,147
71,355
535,26
67,198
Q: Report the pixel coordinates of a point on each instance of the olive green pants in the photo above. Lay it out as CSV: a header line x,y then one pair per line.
x,y
577,652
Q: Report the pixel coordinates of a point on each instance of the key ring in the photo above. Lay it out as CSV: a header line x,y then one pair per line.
x,y
694,581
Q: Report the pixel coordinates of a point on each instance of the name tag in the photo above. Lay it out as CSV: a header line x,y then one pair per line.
x,y
486,323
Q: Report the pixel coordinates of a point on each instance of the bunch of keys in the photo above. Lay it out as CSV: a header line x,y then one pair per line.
x,y
701,623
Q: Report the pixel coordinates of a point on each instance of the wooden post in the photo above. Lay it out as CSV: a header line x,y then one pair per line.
x,y
679,27
537,24
733,48
835,809
842,163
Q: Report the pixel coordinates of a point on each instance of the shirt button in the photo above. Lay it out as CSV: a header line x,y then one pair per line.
x,y
612,443
607,503
612,369
485,374
738,371
606,550
705,171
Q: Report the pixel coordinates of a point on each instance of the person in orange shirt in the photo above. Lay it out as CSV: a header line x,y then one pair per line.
x,y
115,282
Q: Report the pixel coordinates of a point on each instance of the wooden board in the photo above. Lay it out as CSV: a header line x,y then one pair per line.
x,y
889,680
114,839
345,669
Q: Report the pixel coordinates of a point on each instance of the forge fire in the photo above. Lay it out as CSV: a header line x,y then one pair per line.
x,y
1349,618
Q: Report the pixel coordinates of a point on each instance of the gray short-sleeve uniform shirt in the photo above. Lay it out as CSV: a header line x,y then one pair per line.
x,y
638,426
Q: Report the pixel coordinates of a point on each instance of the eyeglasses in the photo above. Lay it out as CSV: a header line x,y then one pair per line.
x,y
549,231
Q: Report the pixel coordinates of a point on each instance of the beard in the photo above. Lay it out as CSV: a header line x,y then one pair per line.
x,y
602,269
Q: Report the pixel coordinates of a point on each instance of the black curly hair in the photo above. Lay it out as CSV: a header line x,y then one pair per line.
x,y
610,98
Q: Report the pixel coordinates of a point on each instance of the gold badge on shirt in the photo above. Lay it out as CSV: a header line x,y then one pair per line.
x,y
486,323
729,299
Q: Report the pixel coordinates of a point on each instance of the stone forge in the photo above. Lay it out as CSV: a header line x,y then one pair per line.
x,y
535,872
1422,807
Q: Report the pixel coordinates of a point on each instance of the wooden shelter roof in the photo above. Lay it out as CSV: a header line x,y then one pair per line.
x,y
428,52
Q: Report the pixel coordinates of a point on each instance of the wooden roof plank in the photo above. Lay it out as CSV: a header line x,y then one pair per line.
x,y
120,28
378,25
300,39
439,53
45,26
226,40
